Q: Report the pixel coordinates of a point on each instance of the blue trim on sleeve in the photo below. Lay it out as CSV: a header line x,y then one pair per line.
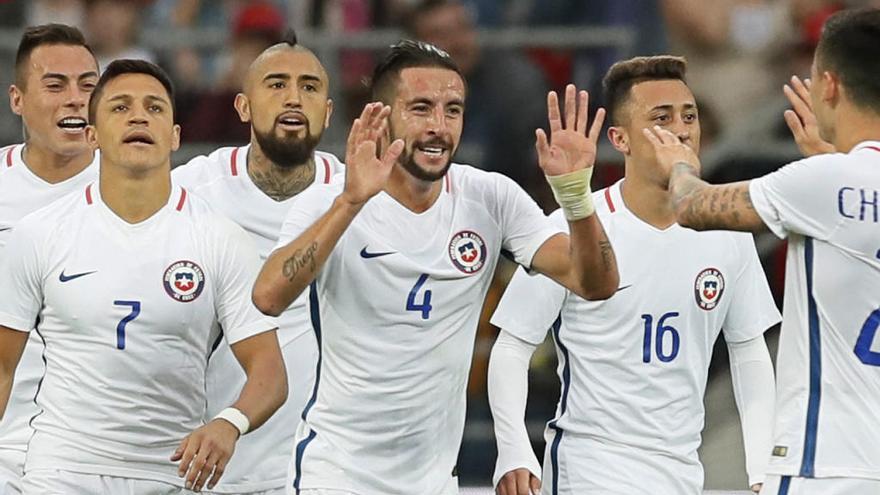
x,y
784,483
809,459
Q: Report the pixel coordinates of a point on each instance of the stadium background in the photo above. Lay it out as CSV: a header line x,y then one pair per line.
x,y
741,52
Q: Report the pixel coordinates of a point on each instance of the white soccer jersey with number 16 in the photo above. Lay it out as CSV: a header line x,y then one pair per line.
x,y
396,308
634,367
127,313
828,369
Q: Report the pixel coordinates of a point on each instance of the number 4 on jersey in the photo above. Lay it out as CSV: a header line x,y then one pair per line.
x,y
425,307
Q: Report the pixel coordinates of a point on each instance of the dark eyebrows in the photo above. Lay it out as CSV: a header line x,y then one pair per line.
x,y
54,75
277,75
127,97
86,75
309,77
421,99
669,107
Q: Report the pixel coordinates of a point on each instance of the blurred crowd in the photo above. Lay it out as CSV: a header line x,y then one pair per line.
x,y
740,53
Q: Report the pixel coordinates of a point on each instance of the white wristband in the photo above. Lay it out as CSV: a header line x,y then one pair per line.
x,y
572,192
237,418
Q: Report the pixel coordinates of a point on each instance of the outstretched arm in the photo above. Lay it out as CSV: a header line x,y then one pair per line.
x,y
697,204
584,261
290,269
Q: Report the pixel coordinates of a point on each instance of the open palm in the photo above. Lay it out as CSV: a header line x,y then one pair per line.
x,y
570,147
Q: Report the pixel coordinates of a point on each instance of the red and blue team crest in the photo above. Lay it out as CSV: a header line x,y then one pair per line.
x,y
708,288
467,251
184,281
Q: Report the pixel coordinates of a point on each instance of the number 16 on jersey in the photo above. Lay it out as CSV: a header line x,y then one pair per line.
x,y
658,335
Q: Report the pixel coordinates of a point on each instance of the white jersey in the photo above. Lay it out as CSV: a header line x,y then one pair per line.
x,y
127,313
396,308
828,368
22,192
261,458
634,367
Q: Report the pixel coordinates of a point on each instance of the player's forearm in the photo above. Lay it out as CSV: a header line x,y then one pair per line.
x,y
755,394
291,269
593,270
508,391
701,206
266,387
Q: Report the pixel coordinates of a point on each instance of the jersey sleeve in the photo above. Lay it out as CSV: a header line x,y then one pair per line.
x,y
529,306
801,197
524,226
305,209
752,309
21,288
238,265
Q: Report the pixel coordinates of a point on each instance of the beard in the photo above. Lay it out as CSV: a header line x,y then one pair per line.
x,y
408,161
287,152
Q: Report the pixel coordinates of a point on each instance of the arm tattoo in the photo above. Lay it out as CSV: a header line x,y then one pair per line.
x,y
300,259
607,253
702,206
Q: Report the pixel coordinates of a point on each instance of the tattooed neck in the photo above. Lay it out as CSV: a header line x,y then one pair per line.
x,y
280,183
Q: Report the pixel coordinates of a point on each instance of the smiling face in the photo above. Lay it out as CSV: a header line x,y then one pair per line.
x,y
134,123
427,113
53,101
286,101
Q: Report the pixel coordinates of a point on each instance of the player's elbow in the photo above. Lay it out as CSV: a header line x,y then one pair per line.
x,y
600,290
266,300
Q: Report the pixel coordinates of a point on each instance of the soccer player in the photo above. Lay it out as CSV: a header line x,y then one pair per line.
x,y
399,254
55,73
127,279
826,438
634,368
285,99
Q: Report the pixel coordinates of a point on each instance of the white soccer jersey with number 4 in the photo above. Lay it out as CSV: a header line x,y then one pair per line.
x,y
634,367
261,458
127,313
22,192
828,368
396,309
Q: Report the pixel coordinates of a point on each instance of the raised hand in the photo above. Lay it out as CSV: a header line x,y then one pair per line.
x,y
669,150
569,147
365,171
802,121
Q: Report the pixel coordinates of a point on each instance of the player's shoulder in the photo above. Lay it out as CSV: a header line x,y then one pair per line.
x,y
8,155
223,162
201,215
59,212
331,163
474,183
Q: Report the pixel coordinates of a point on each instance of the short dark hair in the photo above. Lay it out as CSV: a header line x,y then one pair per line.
x,y
45,34
848,47
407,54
622,76
130,66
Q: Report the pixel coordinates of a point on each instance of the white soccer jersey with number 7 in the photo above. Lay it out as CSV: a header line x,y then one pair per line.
x,y
396,309
128,316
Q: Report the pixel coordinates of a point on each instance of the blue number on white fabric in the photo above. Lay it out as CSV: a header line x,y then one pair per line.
x,y
120,328
866,338
425,306
661,331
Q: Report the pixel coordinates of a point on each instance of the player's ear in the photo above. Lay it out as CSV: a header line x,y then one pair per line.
x,y
619,139
91,136
175,137
831,87
15,99
329,113
243,107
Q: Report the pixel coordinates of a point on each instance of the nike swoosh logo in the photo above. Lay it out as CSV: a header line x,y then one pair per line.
x,y
4,229
624,287
367,255
67,278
